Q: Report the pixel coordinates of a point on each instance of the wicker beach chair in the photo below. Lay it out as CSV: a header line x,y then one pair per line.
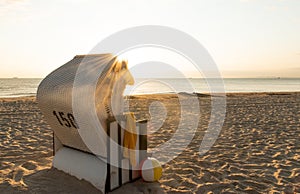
x,y
76,101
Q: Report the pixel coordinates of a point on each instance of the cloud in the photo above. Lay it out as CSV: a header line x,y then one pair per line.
x,y
272,8
245,1
14,9
13,1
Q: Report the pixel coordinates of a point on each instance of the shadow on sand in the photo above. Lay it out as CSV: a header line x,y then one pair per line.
x,y
50,181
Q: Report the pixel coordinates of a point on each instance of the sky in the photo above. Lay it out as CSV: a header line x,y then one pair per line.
x,y
246,38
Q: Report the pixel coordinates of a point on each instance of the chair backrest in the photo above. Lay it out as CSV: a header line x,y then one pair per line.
x,y
55,97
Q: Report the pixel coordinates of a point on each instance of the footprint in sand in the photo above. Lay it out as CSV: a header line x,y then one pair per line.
x,y
158,114
18,175
29,166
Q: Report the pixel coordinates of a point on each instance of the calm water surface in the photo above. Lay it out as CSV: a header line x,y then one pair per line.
x,y
27,87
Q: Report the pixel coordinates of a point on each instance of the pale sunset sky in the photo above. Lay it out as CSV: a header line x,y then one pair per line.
x,y
246,38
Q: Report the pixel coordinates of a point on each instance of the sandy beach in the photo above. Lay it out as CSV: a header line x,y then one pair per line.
x,y
257,151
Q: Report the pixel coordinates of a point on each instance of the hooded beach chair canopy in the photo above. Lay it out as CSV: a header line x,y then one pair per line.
x,y
89,88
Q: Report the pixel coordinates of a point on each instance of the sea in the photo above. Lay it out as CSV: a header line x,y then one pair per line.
x,y
17,87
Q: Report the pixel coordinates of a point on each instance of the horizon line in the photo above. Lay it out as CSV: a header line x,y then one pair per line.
x,y
259,77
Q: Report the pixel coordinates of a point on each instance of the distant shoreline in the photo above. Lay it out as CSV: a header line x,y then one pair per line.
x,y
181,93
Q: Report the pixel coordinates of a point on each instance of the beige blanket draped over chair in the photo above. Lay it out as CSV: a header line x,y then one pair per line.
x,y
109,97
